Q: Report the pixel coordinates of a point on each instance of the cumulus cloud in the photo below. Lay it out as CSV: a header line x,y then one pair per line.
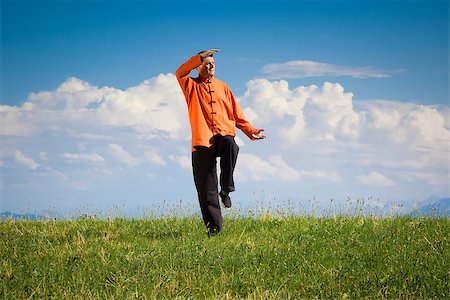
x,y
79,132
284,171
327,114
329,175
322,113
183,160
322,123
122,156
12,121
375,178
25,161
274,167
153,109
154,158
94,157
307,68
252,167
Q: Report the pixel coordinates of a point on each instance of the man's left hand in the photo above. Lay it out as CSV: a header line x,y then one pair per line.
x,y
258,134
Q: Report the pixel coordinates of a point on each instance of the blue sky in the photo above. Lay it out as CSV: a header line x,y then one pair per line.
x,y
360,86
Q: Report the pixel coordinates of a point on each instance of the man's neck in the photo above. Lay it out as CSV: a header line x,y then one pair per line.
x,y
205,79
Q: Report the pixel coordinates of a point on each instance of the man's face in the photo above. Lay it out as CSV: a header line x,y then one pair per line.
x,y
206,69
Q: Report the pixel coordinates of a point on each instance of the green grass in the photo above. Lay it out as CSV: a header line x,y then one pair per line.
x,y
253,258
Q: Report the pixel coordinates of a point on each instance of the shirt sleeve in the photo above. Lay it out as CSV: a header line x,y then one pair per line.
x,y
241,121
183,72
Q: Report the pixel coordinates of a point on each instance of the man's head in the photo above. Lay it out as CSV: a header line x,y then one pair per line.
x,y
206,69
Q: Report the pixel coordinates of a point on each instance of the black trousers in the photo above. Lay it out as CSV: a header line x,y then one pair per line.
x,y
205,176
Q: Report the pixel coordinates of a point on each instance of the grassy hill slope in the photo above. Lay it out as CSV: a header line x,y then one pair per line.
x,y
254,258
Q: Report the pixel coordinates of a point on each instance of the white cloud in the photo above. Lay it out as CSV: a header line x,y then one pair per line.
x,y
275,168
252,167
43,155
25,161
331,175
306,68
82,146
317,136
256,168
427,177
154,158
415,125
284,171
13,121
322,113
239,141
183,160
94,157
153,109
376,179
121,155
326,114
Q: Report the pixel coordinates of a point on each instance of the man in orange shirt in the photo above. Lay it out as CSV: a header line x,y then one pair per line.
x,y
214,115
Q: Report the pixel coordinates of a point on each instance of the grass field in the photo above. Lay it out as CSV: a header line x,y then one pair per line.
x,y
253,258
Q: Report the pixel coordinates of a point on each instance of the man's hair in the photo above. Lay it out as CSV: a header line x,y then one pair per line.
x,y
211,55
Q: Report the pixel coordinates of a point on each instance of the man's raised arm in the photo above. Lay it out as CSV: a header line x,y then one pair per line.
x,y
193,63
188,66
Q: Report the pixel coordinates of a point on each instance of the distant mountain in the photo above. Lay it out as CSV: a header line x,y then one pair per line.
x,y
6,215
440,208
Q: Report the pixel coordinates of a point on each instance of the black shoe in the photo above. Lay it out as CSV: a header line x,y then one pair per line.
x,y
226,200
212,231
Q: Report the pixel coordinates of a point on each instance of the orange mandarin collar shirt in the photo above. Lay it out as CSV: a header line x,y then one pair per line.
x,y
212,106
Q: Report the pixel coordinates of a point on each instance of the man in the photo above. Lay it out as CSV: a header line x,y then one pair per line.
x,y
214,115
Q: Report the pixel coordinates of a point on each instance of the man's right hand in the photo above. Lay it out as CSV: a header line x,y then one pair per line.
x,y
204,54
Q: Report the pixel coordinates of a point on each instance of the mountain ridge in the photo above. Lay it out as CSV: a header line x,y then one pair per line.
x,y
440,208
7,215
